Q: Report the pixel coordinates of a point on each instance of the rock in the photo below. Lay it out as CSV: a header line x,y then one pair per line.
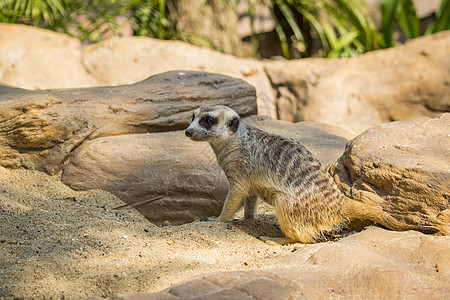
x,y
373,264
39,129
34,58
403,168
121,60
354,94
139,167
381,86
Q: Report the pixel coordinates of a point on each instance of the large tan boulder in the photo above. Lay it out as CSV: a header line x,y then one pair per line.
x,y
34,58
403,168
139,168
40,129
381,86
374,264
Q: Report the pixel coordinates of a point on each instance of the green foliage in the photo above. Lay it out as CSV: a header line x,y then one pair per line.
x,y
442,17
154,18
404,13
37,13
89,20
343,26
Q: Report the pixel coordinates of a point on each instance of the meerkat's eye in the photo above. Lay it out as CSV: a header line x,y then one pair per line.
x,y
193,117
209,121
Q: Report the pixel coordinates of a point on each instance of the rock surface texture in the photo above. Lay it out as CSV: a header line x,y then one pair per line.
x,y
395,84
374,264
40,129
403,168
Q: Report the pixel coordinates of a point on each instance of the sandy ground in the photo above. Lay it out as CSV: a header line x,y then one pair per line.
x,y
59,243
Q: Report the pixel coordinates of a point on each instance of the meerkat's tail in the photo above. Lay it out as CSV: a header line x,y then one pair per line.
x,y
359,210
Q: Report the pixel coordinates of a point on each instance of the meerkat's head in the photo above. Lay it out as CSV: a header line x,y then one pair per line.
x,y
213,124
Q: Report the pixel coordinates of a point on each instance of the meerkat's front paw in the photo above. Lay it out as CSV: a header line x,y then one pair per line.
x,y
208,219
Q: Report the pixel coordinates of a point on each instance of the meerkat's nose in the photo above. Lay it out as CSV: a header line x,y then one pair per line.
x,y
188,132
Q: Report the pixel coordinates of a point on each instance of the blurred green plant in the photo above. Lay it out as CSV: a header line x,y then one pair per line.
x,y
343,26
402,11
442,21
154,18
36,13
89,20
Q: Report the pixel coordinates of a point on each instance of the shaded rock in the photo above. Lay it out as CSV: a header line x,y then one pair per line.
x,y
403,168
139,167
39,129
381,86
373,264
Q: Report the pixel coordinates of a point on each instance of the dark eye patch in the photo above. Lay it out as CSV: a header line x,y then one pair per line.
x,y
193,117
207,122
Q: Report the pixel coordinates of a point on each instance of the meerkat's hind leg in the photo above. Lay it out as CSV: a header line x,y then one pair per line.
x,y
250,207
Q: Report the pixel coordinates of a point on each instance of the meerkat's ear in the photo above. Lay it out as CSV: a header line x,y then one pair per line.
x,y
233,124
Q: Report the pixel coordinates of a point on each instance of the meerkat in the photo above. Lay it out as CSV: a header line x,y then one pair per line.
x,y
283,173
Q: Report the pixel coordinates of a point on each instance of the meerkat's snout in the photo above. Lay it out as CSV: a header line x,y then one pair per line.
x,y
189,132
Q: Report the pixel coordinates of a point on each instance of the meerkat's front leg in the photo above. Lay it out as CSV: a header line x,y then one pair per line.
x,y
232,203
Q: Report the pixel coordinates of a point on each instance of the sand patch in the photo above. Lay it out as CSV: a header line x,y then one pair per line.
x,y
60,243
